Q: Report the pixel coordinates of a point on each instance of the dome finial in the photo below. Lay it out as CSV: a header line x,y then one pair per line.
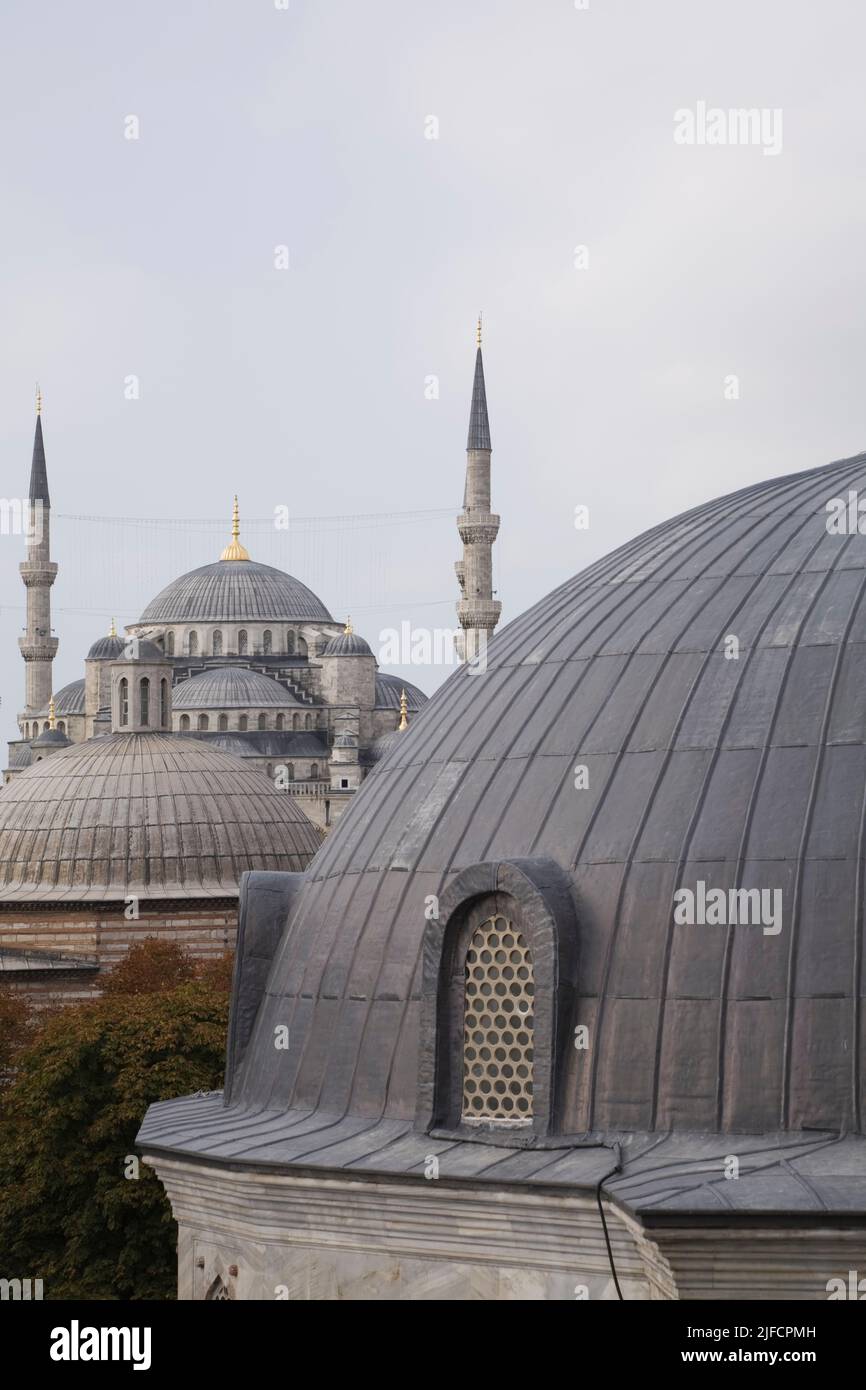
x,y
52,714
38,400
112,631
404,712
234,550
478,331
348,628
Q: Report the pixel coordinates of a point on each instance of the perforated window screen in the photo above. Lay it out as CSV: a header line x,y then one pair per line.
x,y
498,1026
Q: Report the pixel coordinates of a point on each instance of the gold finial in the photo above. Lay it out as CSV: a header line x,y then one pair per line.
x,y
52,715
404,712
112,631
478,332
347,630
234,550
38,400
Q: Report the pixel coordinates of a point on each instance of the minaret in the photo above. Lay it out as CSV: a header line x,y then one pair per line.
x,y
477,610
38,647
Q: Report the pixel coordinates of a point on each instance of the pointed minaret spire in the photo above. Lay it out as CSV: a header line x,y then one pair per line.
x,y
234,550
404,712
38,573
477,609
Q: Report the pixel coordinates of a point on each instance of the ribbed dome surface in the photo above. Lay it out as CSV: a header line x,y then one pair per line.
x,y
347,644
748,771
235,591
231,687
107,649
68,700
388,690
150,814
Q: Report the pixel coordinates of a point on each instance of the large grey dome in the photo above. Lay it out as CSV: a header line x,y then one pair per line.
x,y
231,687
741,772
235,591
149,814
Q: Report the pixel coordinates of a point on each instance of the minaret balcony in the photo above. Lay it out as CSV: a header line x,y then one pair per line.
x,y
479,612
478,528
43,650
38,574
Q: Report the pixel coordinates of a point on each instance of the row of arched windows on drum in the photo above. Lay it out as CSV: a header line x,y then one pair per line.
x,y
295,645
32,730
142,693
299,723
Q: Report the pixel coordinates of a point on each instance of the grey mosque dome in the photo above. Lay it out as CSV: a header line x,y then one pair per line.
x,y
69,699
151,814
234,591
389,689
347,644
231,687
746,772
107,648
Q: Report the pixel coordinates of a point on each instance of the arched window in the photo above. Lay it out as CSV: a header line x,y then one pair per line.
x,y
242,723
169,644
242,643
267,642
263,721
498,1025
184,723
290,643
163,702
290,769
46,726
144,700
203,722
308,721
302,647
270,769
217,644
279,722
193,644
296,722
223,723
123,692
314,769
61,724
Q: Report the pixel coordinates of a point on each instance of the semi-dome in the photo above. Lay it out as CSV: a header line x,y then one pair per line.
x,y
390,688
231,687
147,814
690,709
235,591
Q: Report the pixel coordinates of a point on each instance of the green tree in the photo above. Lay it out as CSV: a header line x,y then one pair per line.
x,y
68,1213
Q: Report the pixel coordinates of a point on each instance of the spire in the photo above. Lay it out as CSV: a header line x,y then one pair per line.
x,y
38,471
404,712
52,714
234,550
479,426
112,631
347,630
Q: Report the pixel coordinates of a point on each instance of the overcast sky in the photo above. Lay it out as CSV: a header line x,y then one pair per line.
x,y
306,127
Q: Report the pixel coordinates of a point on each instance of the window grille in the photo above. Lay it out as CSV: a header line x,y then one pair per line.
x,y
498,1026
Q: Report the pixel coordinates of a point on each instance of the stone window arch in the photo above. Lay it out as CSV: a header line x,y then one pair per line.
x,y
242,643
193,644
184,723
123,694
163,702
290,771
296,722
267,641
61,724
270,770
169,644
223,723
314,769
242,723
263,721
218,1292
217,643
290,643
203,722
308,721
498,1000
302,646
279,722
144,700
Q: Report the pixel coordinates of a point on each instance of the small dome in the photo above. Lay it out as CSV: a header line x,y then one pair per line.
x,y
51,738
345,741
152,814
107,648
347,644
144,651
389,689
232,687
235,591
381,746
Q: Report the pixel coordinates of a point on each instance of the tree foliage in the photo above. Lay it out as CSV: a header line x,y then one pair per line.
x,y
68,1213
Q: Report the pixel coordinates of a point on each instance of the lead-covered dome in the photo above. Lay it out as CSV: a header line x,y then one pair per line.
x,y
146,814
690,709
235,591
231,687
